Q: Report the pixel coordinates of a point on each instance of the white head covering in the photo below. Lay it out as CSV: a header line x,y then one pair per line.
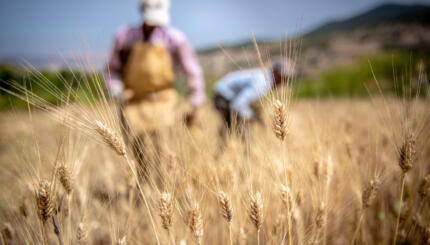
x,y
155,12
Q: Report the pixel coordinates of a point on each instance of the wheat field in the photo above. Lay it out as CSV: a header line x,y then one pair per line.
x,y
333,171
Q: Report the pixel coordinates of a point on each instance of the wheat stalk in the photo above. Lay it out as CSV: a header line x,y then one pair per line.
x,y
288,202
256,212
122,241
422,192
45,200
280,124
369,193
195,222
166,210
367,197
320,219
226,206
407,153
227,211
110,137
66,178
406,160
424,187
82,234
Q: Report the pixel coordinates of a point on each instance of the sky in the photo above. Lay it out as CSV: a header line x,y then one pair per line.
x,y
47,28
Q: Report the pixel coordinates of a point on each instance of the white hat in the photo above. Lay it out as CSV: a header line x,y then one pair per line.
x,y
156,12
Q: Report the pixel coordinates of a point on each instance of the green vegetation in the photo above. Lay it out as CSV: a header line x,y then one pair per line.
x,y
11,77
397,73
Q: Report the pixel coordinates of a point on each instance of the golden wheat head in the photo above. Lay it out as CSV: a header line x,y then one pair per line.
x,y
369,193
226,206
166,210
280,125
45,201
110,137
195,222
66,178
407,153
256,210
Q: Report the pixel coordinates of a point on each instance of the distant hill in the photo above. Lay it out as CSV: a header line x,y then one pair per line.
x,y
386,27
386,13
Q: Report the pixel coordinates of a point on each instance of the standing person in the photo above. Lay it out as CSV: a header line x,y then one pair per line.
x,y
237,92
140,76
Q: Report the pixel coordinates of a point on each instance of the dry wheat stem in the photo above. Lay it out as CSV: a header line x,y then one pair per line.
x,y
287,199
130,165
414,221
400,209
112,139
131,187
424,187
357,228
367,197
320,220
422,192
57,231
406,160
122,241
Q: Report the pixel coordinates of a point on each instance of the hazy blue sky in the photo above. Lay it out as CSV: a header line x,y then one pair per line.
x,y
49,27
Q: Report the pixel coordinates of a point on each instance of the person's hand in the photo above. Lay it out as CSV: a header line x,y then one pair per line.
x,y
128,94
123,97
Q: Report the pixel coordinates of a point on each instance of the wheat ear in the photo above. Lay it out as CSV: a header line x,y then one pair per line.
x,y
45,201
227,211
166,210
320,219
280,125
367,197
66,178
256,212
406,160
82,234
110,137
195,222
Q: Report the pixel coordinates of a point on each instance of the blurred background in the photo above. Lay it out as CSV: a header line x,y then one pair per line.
x,y
339,39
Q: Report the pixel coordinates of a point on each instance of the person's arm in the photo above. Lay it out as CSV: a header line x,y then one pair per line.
x,y
193,72
255,89
195,81
113,70
243,101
